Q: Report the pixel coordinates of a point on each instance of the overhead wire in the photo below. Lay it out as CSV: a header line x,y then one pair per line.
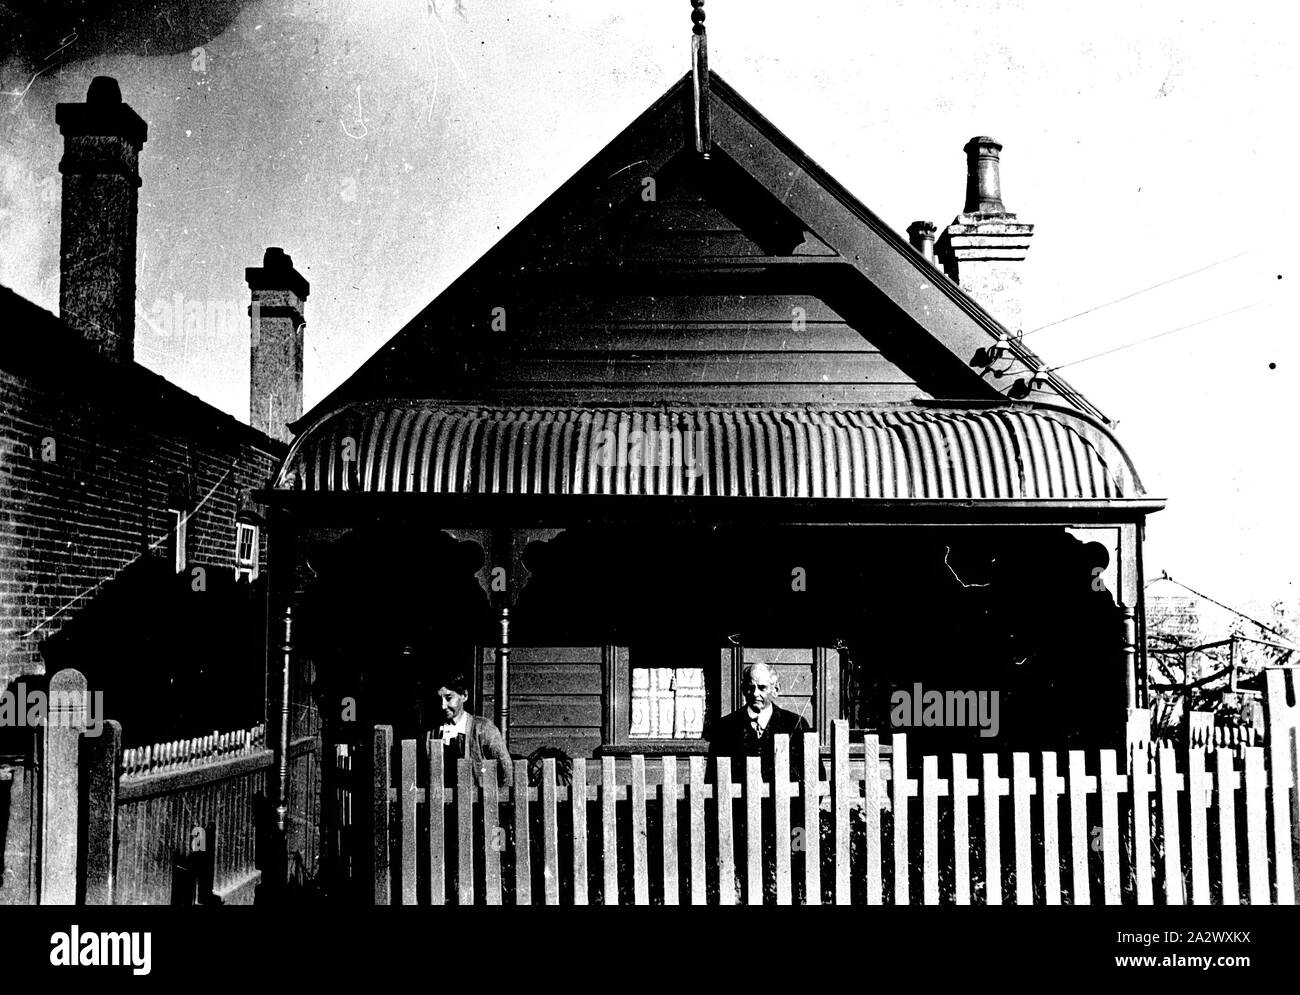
x,y
1152,338
1138,293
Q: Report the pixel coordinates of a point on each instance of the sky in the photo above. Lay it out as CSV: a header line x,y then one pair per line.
x,y
387,144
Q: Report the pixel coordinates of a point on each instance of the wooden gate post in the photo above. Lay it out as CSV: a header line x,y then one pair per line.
x,y
381,773
100,757
65,720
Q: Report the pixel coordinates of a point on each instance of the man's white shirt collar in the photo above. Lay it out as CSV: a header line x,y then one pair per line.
x,y
450,730
762,718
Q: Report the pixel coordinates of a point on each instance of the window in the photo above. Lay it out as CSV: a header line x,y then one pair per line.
x,y
178,539
661,699
246,548
667,703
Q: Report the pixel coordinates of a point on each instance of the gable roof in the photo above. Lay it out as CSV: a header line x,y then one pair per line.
x,y
40,348
568,233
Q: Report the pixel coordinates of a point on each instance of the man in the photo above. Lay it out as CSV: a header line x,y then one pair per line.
x,y
468,736
748,731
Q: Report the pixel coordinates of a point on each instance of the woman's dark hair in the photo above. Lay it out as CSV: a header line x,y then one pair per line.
x,y
458,681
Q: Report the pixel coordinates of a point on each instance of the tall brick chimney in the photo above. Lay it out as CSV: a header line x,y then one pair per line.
x,y
275,370
101,179
984,248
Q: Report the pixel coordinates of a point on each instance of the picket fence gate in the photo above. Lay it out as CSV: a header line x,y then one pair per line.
x,y
1164,828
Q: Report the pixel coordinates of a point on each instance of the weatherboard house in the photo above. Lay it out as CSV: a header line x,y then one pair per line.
x,y
703,408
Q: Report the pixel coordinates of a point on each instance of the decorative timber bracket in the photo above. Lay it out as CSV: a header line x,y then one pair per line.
x,y
502,585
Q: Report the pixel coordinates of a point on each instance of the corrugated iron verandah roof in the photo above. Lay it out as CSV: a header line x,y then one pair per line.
x,y
929,450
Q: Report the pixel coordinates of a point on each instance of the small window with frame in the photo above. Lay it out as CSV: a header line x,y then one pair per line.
x,y
246,550
177,539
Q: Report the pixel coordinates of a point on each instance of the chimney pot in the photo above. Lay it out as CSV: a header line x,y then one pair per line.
x,y
983,179
921,235
104,90
984,248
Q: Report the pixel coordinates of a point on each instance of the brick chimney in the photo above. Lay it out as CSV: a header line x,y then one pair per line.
x,y
275,368
101,181
984,248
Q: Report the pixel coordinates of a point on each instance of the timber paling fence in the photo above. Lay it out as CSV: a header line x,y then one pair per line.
x,y
168,823
190,805
1165,826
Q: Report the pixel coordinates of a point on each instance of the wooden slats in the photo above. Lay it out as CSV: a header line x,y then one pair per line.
x,y
1109,786
809,790
704,367
842,792
578,808
1022,790
995,788
696,792
726,838
903,789
781,807
406,808
1226,783
465,832
1198,792
963,789
523,841
1080,786
491,835
550,835
609,830
1169,783
1256,825
753,831
774,831
871,809
668,822
640,870
932,789
437,823
1142,786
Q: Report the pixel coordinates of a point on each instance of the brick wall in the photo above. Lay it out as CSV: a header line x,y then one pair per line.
x,y
86,482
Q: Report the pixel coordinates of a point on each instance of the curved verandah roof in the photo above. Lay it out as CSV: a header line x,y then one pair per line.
x,y
937,451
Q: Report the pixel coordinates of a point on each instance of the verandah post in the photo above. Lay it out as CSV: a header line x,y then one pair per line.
x,y
502,682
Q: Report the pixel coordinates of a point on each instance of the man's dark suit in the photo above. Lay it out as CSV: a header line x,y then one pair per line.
x,y
733,736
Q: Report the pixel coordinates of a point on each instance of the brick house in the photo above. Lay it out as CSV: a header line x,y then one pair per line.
x,y
129,546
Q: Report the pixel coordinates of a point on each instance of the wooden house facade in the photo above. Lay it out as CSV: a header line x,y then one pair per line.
x,y
702,408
